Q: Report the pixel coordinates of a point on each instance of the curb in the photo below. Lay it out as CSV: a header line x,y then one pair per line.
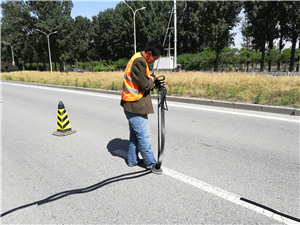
x,y
238,105
233,105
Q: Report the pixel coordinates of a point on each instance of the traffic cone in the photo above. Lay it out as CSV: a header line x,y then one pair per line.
x,y
63,123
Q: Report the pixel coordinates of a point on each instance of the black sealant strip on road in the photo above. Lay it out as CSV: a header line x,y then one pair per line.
x,y
233,105
270,209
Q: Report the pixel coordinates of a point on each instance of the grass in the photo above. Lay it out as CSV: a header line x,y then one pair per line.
x,y
233,87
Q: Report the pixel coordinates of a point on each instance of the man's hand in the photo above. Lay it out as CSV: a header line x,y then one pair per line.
x,y
153,77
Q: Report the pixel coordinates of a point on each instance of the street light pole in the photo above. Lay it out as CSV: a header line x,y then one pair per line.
x,y
12,52
48,45
175,36
134,32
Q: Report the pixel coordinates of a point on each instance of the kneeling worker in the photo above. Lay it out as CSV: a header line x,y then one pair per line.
x,y
137,104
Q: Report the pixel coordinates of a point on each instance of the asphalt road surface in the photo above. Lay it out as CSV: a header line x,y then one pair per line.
x,y
221,166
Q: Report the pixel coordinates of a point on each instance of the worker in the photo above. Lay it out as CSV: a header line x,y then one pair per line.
x,y
137,104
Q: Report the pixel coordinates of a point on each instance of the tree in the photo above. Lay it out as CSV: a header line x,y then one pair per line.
x,y
150,23
15,25
290,25
112,29
220,18
81,30
285,57
49,16
101,34
190,35
273,55
228,56
245,57
262,20
298,57
204,29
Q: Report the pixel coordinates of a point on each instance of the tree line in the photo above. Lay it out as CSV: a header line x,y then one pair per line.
x,y
204,33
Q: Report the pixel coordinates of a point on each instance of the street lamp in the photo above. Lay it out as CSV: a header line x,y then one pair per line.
x,y
134,12
12,52
48,45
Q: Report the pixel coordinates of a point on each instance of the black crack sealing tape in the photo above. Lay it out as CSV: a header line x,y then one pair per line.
x,y
270,209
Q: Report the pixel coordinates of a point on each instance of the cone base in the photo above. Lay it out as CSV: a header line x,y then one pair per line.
x,y
56,133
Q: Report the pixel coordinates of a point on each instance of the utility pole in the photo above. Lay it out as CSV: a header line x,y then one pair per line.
x,y
175,36
172,63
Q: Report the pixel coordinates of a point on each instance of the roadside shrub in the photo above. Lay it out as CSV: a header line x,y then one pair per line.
x,y
199,61
121,64
8,67
91,66
35,66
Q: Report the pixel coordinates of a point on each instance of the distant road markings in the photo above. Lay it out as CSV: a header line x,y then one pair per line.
x,y
234,113
179,105
266,211
72,91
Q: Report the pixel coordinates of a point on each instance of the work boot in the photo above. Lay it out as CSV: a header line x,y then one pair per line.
x,y
156,170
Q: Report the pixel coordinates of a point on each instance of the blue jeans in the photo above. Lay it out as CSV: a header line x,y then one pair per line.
x,y
140,140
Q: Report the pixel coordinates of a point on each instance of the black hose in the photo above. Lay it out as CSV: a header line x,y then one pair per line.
x,y
162,107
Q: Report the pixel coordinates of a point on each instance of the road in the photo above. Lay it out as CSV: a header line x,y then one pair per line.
x,y
213,157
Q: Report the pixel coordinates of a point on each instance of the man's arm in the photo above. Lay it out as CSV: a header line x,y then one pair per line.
x,y
138,71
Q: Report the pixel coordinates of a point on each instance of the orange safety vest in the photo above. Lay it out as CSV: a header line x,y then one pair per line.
x,y
131,91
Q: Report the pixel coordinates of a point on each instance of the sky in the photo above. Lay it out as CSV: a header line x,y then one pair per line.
x,y
92,8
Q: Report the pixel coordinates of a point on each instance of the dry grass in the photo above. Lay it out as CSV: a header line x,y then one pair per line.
x,y
90,80
237,87
234,87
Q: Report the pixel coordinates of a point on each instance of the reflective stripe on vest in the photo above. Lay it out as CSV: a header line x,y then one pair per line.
x,y
130,79
131,91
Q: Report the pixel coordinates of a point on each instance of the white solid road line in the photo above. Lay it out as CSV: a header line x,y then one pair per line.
x,y
225,195
179,105
184,105
72,91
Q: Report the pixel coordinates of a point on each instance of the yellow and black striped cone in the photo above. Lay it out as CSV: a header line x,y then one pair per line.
x,y
63,123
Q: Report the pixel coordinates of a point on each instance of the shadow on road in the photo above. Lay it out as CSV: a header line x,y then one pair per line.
x,y
94,187
118,147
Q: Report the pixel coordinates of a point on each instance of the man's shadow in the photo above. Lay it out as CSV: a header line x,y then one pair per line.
x,y
119,147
